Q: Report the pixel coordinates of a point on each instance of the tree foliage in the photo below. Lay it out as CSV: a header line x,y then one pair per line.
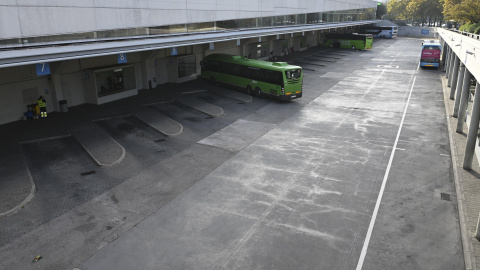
x,y
397,9
462,10
381,10
431,9
416,10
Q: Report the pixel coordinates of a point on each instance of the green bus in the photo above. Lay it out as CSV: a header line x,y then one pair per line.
x,y
260,78
349,41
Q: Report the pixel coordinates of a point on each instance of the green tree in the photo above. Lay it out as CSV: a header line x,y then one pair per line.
x,y
397,9
429,11
381,10
462,10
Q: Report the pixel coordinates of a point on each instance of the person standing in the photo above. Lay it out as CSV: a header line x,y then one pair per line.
x,y
42,106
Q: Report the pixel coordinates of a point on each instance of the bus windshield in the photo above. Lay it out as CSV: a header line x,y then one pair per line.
x,y
431,51
293,74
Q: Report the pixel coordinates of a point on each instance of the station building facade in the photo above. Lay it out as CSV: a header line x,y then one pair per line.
x,y
99,51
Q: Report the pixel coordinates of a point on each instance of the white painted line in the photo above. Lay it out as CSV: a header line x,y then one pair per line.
x,y
400,149
382,188
444,155
387,66
193,92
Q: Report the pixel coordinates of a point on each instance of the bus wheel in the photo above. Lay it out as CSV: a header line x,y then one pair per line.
x,y
249,90
258,92
353,47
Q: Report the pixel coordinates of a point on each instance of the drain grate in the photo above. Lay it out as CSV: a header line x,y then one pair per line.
x,y
445,196
87,173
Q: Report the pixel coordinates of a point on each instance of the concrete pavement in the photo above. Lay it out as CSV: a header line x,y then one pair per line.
x,y
297,192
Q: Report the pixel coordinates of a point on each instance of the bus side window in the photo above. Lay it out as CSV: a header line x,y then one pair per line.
x,y
244,72
236,70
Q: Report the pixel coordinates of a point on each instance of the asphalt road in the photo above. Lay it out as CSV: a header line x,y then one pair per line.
x,y
355,175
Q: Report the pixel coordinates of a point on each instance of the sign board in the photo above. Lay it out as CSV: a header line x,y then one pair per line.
x,y
425,32
211,46
174,51
42,69
122,58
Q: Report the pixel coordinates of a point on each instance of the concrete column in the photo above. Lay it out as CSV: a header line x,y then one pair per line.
x,y
454,77
57,93
461,75
148,78
462,112
449,63
472,131
445,58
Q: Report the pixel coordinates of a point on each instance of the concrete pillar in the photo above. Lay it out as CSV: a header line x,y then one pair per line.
x,y
462,112
461,75
449,64
148,79
477,232
445,58
454,77
472,131
57,93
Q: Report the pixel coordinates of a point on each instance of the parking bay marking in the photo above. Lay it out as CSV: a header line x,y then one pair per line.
x,y
382,188
387,66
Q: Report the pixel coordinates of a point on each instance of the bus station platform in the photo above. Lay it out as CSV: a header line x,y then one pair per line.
x,y
199,205
467,185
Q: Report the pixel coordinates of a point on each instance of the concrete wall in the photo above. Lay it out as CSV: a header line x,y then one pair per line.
x,y
48,17
17,82
417,31
19,87
466,48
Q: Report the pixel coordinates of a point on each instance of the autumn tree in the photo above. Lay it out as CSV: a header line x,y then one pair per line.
x,y
462,10
397,9
426,10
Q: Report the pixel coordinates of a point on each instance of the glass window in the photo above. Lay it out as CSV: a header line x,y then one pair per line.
x,y
278,20
201,27
301,19
291,19
293,74
265,22
168,29
186,66
314,18
230,24
115,80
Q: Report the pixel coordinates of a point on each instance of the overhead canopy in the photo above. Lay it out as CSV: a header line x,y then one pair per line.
x,y
53,53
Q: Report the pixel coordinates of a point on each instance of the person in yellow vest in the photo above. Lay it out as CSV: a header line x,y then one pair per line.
x,y
43,106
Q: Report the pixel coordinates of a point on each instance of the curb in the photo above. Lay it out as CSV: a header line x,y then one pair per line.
x,y
463,218
29,196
